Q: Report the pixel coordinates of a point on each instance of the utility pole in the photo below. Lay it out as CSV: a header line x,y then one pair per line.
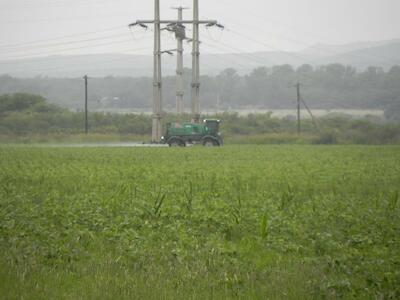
x,y
86,104
157,77
180,35
313,119
299,101
157,83
196,64
298,85
196,60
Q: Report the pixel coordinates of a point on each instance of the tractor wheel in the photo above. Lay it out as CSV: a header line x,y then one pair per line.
x,y
210,143
176,143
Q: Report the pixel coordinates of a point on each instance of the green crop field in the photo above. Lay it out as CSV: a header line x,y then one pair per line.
x,y
251,222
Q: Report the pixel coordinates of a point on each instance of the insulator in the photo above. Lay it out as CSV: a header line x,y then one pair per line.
x,y
180,32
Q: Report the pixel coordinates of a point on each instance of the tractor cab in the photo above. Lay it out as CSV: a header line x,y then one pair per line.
x,y
213,126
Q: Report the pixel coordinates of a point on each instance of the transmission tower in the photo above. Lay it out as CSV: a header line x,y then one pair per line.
x,y
157,82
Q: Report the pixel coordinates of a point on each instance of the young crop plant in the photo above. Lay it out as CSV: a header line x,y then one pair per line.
x,y
243,222
189,198
264,226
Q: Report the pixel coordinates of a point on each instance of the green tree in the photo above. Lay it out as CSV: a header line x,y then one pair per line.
x,y
20,102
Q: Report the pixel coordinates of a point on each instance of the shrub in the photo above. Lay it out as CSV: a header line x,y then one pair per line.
x,y
327,138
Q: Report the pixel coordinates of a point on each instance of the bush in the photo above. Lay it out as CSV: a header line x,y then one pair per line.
x,y
21,102
327,138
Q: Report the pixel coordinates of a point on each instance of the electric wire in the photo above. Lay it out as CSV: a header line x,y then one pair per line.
x,y
239,52
41,54
52,45
64,37
236,52
62,3
63,19
92,63
109,39
321,49
212,67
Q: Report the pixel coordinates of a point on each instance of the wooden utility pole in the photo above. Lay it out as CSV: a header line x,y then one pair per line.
x,y
299,101
86,104
313,119
298,85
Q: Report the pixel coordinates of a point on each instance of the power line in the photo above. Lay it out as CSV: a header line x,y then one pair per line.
x,y
269,20
333,52
85,65
52,45
296,41
233,51
286,38
55,4
65,37
269,46
61,19
221,57
240,52
40,54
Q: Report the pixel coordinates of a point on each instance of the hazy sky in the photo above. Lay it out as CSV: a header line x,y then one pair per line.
x,y
35,27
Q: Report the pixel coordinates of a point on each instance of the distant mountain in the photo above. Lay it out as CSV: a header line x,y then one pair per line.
x,y
384,56
97,65
360,55
324,50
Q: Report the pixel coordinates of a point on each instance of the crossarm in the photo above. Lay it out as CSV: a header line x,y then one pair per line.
x,y
173,22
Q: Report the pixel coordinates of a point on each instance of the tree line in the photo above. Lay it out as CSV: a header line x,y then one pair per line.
x,y
326,87
26,115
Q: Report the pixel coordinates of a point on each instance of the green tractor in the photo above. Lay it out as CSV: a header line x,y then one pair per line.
x,y
181,134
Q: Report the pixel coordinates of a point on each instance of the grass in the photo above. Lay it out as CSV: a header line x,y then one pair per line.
x,y
243,222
